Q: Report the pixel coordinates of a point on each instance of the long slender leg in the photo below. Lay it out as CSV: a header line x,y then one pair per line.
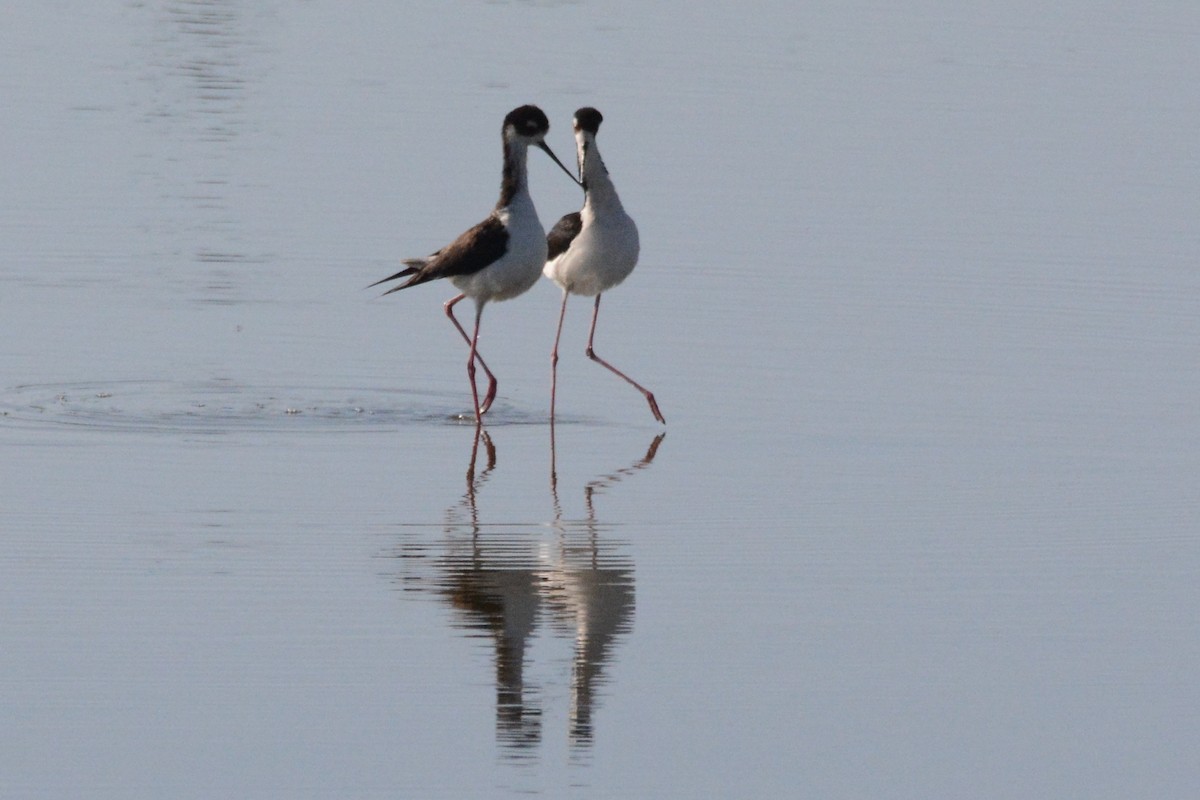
x,y
591,353
554,359
472,341
554,476
492,382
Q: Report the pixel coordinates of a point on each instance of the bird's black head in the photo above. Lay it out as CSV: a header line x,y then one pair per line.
x,y
529,122
528,125
588,119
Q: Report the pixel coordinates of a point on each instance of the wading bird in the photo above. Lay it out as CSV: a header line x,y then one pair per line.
x,y
594,249
500,257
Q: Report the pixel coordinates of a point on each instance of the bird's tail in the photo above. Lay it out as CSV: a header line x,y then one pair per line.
x,y
411,267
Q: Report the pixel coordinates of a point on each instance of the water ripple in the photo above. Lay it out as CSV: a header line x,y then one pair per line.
x,y
225,406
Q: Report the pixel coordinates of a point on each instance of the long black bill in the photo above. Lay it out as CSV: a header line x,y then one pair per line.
x,y
550,153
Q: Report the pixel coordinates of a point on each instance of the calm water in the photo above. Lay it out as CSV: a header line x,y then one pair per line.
x,y
918,297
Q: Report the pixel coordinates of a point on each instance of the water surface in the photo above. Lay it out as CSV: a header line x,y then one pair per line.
x,y
917,296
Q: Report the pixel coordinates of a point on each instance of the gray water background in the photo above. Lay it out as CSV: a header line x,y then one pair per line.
x,y
918,296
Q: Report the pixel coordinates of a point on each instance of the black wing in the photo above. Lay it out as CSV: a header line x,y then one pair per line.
x,y
562,234
472,251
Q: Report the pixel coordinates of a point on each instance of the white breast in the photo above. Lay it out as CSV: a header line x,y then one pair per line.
x,y
600,257
520,266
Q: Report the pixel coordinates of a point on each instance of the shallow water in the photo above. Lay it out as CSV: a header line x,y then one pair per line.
x,y
917,297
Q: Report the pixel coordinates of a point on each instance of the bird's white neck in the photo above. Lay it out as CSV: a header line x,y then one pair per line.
x,y
600,191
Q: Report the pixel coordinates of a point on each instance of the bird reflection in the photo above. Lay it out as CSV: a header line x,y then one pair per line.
x,y
495,596
591,595
566,577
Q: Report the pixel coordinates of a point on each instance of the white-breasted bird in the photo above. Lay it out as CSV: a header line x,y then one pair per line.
x,y
594,249
500,257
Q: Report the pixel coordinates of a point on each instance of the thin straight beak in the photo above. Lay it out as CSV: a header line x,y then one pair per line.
x,y
563,166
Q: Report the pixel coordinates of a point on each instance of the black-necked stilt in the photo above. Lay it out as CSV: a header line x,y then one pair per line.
x,y
592,250
500,257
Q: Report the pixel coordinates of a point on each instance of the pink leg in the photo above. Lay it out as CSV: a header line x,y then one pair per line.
x,y
591,353
554,357
473,341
